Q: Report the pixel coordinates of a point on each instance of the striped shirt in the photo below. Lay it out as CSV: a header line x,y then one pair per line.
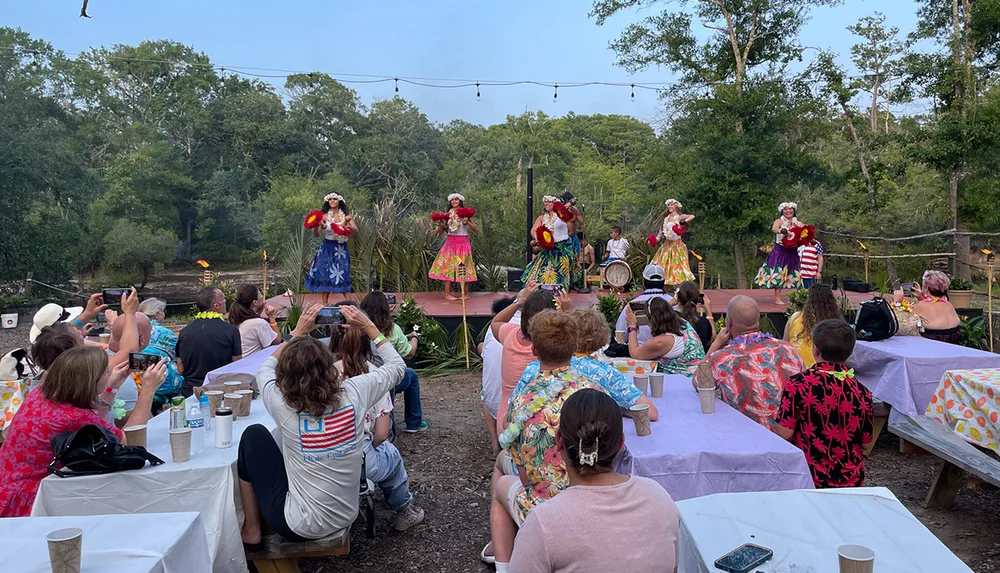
x,y
809,259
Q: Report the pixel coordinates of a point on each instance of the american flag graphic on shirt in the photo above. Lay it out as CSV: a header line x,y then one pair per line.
x,y
330,432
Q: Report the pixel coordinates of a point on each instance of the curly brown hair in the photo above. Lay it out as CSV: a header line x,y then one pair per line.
x,y
662,318
820,305
307,377
591,328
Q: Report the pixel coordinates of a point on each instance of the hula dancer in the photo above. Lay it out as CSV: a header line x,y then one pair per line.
x,y
554,263
673,253
576,229
456,222
331,266
782,267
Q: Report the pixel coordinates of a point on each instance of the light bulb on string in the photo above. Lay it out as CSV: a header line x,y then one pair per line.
x,y
397,86
477,91
633,92
555,93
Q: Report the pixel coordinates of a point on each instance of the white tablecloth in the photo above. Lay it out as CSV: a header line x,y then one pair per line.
x,y
804,529
206,484
247,365
147,543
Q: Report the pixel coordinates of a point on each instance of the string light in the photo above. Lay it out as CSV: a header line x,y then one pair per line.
x,y
555,94
633,92
477,91
397,86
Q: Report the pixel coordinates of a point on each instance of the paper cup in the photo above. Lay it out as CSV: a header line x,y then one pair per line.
x,y
641,382
65,549
180,445
620,336
135,435
640,417
214,400
656,385
232,401
856,559
232,386
104,338
707,397
246,398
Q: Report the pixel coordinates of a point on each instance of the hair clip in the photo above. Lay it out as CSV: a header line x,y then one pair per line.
x,y
591,458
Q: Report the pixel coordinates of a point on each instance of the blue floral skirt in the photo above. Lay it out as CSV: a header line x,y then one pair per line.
x,y
331,268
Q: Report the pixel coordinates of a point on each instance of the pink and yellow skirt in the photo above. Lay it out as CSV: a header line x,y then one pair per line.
x,y
457,249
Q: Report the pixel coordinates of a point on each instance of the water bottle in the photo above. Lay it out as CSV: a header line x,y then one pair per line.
x,y
206,412
196,421
223,427
177,418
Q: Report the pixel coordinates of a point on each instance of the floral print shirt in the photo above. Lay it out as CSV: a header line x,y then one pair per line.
x,y
163,342
598,373
694,352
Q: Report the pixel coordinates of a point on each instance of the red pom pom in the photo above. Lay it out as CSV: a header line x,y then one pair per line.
x,y
545,238
791,239
651,239
806,235
342,231
313,219
680,229
565,214
465,212
438,217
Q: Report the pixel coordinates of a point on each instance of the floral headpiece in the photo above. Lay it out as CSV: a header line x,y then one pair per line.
x,y
787,204
331,196
674,201
458,196
550,199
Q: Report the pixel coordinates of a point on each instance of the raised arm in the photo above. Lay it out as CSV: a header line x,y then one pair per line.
x,y
508,313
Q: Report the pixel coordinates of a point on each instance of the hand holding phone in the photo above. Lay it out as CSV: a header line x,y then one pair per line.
x,y
139,362
113,295
329,316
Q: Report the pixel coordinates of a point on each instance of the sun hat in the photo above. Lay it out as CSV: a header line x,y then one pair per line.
x,y
49,315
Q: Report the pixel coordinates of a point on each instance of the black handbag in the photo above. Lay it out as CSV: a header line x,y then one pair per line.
x,y
93,450
875,320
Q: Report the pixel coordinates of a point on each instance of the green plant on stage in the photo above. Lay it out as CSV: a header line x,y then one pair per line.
x,y
973,332
720,323
610,306
767,325
293,263
489,254
435,353
796,301
958,283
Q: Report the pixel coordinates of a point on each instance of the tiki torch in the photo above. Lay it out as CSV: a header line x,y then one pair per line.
x,y
989,293
864,251
701,270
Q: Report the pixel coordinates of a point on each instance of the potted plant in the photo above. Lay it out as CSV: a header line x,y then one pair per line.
x,y
960,293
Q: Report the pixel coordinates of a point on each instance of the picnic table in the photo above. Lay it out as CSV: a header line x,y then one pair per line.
x,y
693,454
141,543
968,402
804,529
246,365
204,484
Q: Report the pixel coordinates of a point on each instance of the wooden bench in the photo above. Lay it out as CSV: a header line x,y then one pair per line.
x,y
959,457
280,556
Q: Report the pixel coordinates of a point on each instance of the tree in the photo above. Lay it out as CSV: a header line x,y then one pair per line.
x,y
325,115
879,59
135,251
290,199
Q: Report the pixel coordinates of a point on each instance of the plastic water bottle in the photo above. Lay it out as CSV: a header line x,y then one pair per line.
x,y
196,421
206,412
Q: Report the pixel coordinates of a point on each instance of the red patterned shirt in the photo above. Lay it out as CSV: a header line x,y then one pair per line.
x,y
26,453
831,413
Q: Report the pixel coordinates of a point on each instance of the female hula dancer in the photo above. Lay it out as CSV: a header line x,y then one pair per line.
x,y
331,266
456,249
673,253
782,267
554,263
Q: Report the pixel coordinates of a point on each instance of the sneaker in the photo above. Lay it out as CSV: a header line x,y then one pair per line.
x,y
421,428
408,517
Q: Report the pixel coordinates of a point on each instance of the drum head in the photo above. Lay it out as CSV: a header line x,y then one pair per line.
x,y
618,274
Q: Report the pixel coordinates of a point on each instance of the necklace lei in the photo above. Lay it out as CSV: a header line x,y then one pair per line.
x,y
749,338
208,314
932,298
453,223
549,219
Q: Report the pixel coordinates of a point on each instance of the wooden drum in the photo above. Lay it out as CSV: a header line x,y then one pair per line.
x,y
616,274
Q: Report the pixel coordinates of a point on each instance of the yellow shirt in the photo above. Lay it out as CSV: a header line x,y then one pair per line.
x,y
802,341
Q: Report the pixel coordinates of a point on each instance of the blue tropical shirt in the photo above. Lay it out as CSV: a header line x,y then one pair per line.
x,y
594,371
163,342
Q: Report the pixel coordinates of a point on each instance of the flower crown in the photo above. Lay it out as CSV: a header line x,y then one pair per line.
x,y
331,196
674,201
550,199
787,204
458,196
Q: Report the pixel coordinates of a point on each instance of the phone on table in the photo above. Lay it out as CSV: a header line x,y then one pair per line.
x,y
744,558
329,316
138,361
390,298
114,295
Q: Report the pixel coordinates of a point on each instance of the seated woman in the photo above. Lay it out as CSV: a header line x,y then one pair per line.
x,y
559,535
674,342
383,463
308,487
820,305
162,342
697,310
938,319
70,398
256,333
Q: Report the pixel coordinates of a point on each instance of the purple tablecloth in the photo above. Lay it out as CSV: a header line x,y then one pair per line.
x,y
904,371
248,365
693,454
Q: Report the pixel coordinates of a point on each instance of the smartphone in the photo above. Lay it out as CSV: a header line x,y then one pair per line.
x,y
329,316
553,288
701,298
744,558
638,307
390,298
100,318
114,295
138,361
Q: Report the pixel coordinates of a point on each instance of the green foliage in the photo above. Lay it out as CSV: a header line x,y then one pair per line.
x,y
796,301
611,307
284,206
974,333
959,284
134,251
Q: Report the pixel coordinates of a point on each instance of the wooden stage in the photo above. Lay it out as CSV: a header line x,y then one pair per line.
x,y
478,304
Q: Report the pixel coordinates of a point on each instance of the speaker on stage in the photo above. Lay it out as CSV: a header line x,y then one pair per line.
x,y
514,283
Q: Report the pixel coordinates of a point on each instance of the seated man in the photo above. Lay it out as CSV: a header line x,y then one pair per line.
x,y
748,366
832,437
207,342
120,344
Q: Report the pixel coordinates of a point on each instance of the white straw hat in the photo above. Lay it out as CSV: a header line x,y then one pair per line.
x,y
49,315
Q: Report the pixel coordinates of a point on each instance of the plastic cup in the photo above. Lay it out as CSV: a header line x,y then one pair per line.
x,y
656,385
246,398
65,550
180,445
640,417
856,559
620,336
707,397
214,400
233,402
641,382
135,435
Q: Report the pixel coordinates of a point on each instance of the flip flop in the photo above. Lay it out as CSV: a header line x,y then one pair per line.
x,y
489,559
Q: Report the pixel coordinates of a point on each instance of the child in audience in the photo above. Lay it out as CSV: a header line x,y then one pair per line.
x,y
640,521
826,412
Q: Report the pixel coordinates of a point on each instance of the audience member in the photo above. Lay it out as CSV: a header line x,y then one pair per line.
x,y
820,305
748,366
674,342
50,343
642,520
132,323
163,343
207,342
376,306
652,285
832,438
75,394
593,335
696,308
51,314
352,350
256,333
492,353
308,487
528,438
938,319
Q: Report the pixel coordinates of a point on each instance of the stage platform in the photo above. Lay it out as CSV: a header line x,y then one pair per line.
x,y
478,304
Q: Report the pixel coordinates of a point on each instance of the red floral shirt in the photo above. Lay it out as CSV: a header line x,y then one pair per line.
x,y
27,451
831,413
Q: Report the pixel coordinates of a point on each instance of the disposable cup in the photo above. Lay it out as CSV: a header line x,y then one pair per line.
x,y
640,417
656,385
135,435
104,338
180,445
65,550
246,398
214,400
233,402
620,336
232,386
856,559
707,397
641,382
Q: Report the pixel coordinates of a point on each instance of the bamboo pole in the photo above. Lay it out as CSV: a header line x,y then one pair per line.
x,y
461,273
701,275
264,290
989,294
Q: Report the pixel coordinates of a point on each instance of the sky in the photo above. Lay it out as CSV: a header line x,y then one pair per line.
x,y
550,41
